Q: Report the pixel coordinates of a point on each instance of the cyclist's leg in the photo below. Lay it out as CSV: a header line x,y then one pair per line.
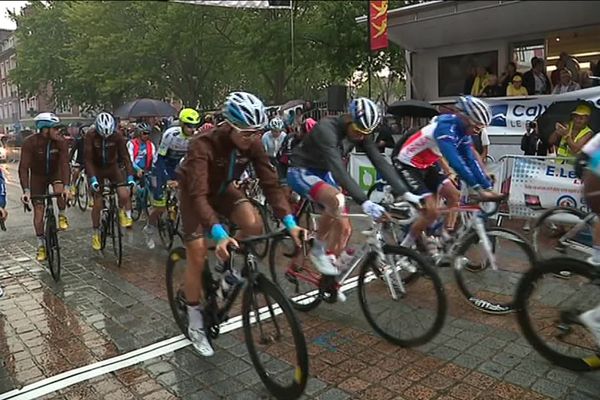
x,y
196,253
39,185
448,191
234,205
333,228
58,187
415,182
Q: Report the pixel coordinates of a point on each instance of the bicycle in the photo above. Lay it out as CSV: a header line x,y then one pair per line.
x,y
381,282
255,313
560,229
471,252
548,309
109,221
169,221
50,233
141,198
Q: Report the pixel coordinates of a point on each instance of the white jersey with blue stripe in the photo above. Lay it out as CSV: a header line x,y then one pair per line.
x,y
174,144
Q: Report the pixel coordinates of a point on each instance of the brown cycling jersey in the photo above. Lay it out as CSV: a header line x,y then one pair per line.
x,y
102,154
42,157
212,161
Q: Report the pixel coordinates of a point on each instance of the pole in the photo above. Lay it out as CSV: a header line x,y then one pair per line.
x,y
292,36
369,47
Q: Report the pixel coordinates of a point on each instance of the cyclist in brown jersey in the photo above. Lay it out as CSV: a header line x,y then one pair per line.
x,y
44,162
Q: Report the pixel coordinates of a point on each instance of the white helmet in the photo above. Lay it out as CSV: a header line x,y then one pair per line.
x,y
245,111
475,109
46,120
105,124
365,114
276,124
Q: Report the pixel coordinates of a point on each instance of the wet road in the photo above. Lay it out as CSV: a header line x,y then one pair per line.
x,y
99,312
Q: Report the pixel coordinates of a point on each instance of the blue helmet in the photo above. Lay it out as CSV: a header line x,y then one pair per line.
x,y
46,120
475,109
245,111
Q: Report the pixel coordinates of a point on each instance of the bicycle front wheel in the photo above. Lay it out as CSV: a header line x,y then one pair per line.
x,y
488,290
175,278
274,339
52,248
117,239
548,311
562,230
402,297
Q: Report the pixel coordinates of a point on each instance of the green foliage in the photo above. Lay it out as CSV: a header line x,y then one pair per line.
x,y
103,53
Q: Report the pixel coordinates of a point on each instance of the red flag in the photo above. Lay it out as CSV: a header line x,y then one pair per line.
x,y
378,24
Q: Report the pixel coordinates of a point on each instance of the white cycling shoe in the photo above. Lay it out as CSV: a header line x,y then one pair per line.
x,y
591,320
148,235
200,342
323,264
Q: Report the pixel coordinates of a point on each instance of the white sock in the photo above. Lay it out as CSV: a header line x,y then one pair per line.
x,y
41,240
318,247
128,213
195,317
408,241
61,212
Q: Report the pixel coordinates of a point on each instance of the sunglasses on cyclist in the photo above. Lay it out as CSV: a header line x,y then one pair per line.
x,y
360,130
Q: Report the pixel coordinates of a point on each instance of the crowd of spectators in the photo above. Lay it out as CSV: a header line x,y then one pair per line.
x,y
567,77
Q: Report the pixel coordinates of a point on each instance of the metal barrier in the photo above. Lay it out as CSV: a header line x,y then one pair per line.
x,y
503,170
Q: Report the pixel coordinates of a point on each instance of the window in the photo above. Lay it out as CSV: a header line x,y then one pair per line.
x,y
23,107
522,53
453,71
2,70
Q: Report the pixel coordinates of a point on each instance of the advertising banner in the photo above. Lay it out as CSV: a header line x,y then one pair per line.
x,y
542,184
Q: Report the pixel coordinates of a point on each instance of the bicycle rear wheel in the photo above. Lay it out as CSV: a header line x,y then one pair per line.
x,y
409,312
548,310
82,193
274,339
52,248
136,205
485,289
294,274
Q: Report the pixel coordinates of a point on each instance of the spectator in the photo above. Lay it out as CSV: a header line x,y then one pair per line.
x,y
493,89
566,83
480,81
571,138
555,75
506,79
535,80
516,88
585,80
571,64
531,144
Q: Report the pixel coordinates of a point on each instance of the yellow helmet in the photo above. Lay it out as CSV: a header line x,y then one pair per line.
x,y
189,116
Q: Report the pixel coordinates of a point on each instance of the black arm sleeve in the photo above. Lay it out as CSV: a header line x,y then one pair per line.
x,y
380,163
326,141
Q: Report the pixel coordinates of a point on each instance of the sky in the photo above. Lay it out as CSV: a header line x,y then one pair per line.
x,y
5,21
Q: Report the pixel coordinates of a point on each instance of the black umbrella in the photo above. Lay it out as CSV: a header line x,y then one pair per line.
x,y
145,108
412,108
560,111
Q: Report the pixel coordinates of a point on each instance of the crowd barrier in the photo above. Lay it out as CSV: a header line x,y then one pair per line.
x,y
534,184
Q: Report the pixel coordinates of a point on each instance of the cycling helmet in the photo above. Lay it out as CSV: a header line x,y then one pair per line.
x,y
475,109
143,127
105,124
309,125
276,124
245,111
46,120
189,116
365,114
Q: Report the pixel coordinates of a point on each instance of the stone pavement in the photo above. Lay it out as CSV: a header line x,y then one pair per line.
x,y
99,311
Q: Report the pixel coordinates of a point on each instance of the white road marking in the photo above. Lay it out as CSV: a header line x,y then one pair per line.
x,y
74,376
